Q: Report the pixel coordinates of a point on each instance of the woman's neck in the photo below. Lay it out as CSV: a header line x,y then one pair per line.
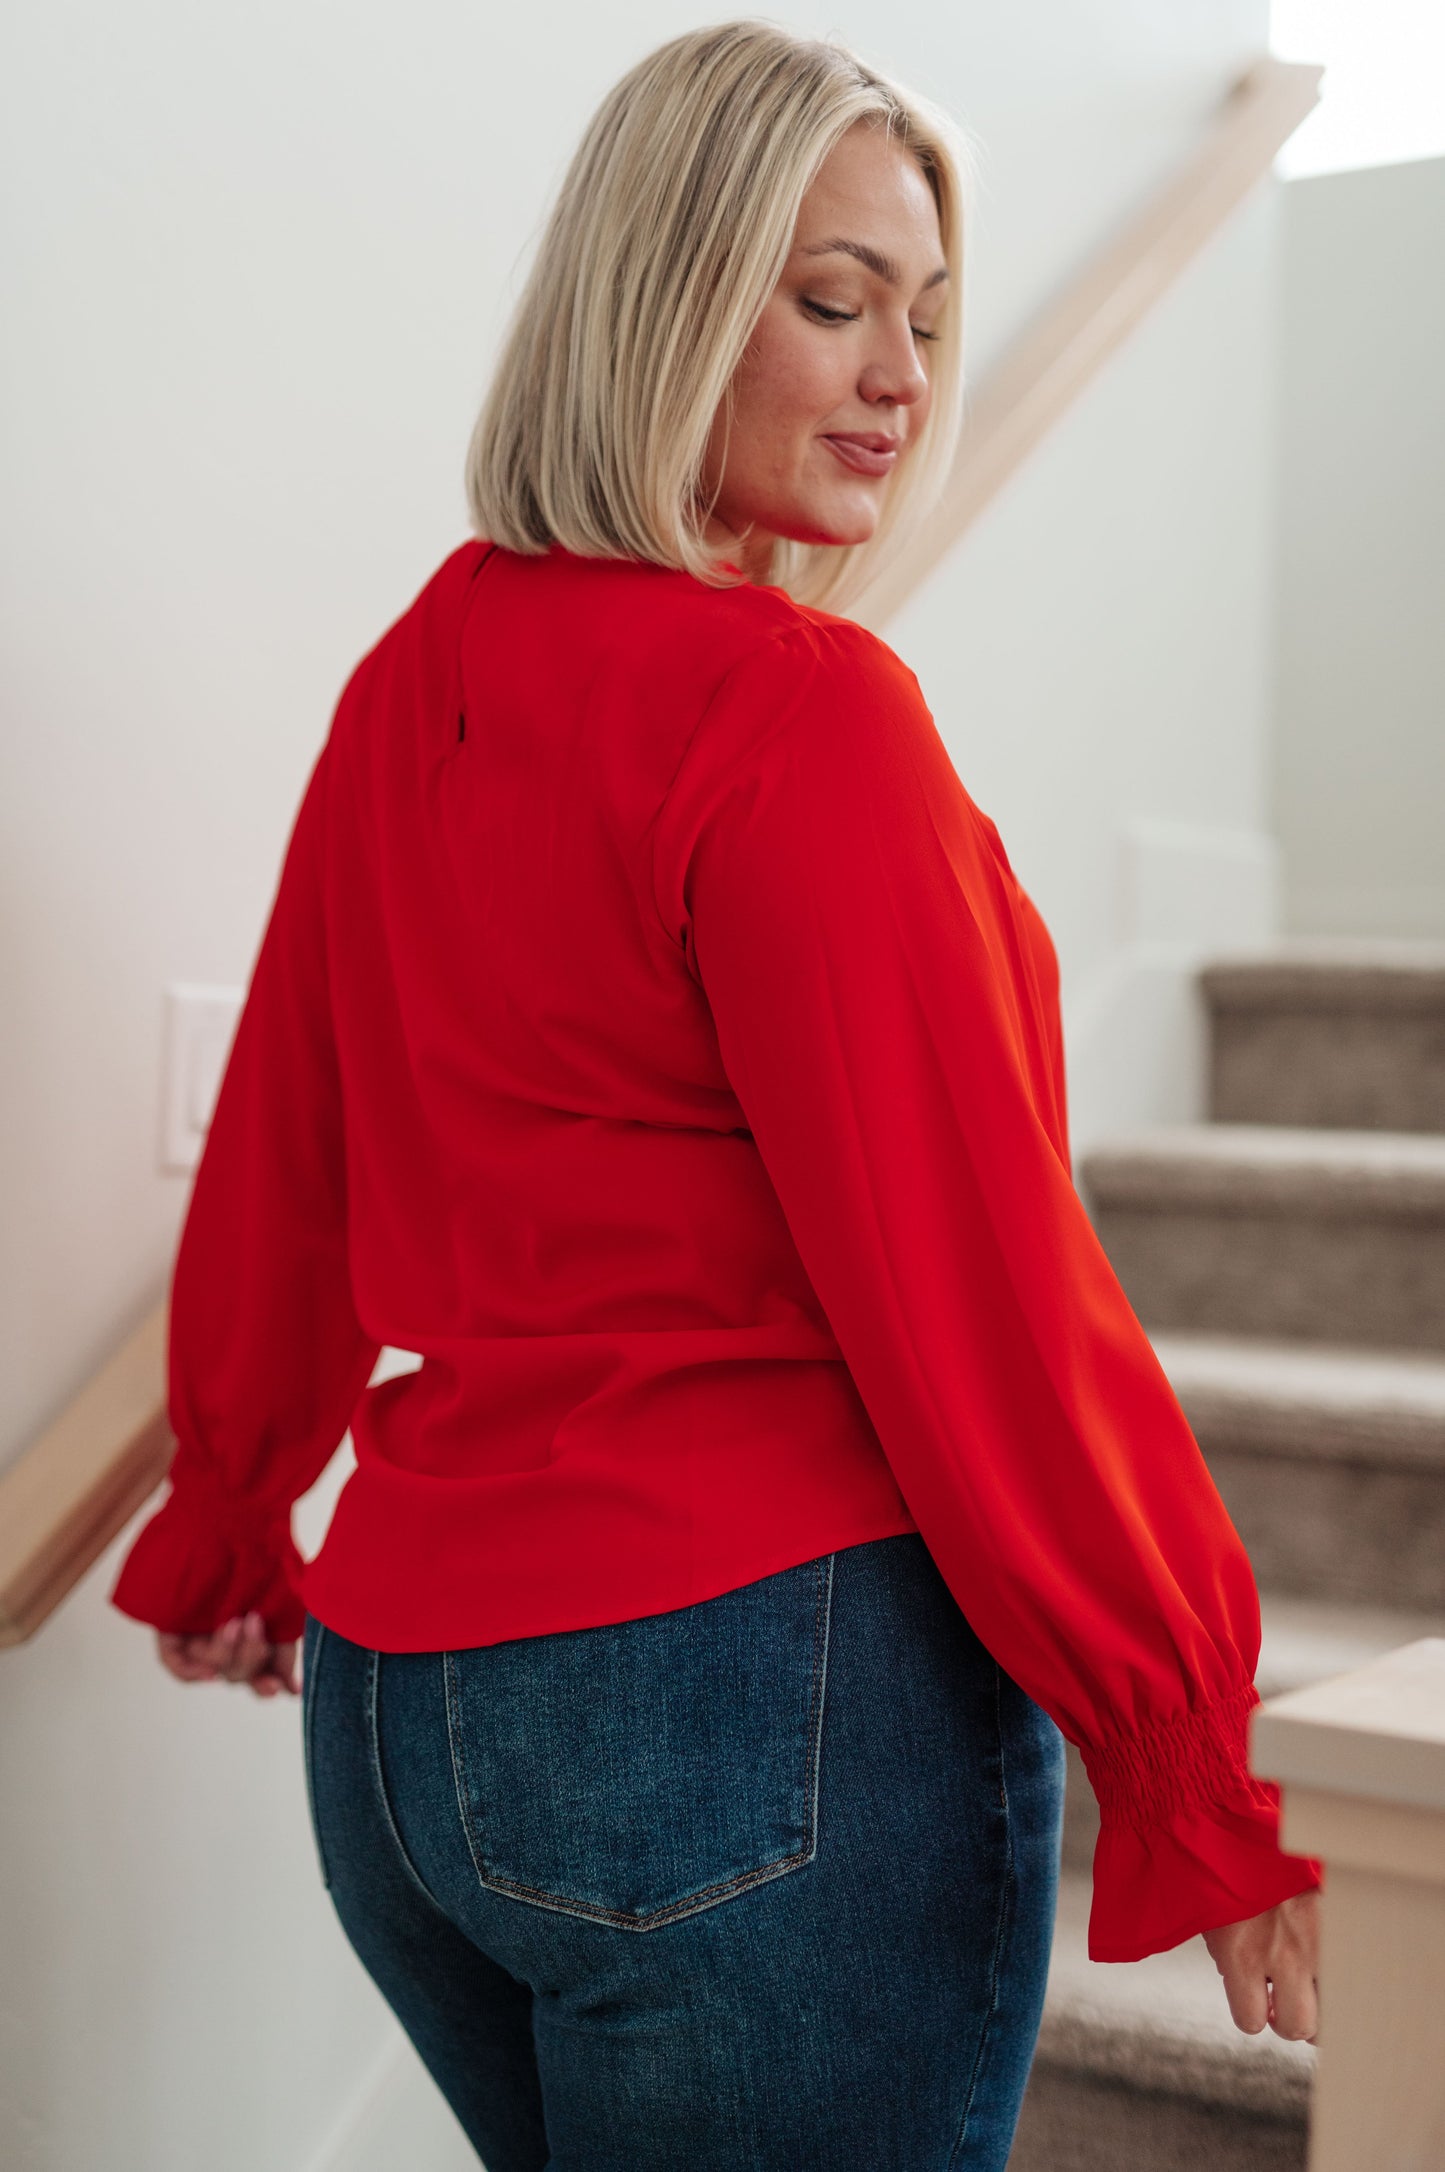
x,y
751,552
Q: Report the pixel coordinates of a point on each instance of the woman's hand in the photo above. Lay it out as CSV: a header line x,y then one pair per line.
x,y
238,1652
1270,1965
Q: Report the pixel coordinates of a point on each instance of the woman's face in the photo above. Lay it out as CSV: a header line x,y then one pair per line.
x,y
833,388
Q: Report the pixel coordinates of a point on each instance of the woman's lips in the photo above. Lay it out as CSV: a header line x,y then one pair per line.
x,y
863,459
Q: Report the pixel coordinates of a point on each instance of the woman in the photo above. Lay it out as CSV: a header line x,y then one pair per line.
x,y
650,1032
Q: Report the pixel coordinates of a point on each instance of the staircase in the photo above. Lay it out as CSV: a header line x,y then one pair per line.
x,y
1288,1259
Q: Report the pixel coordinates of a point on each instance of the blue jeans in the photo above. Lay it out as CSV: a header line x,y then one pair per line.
x,y
763,1884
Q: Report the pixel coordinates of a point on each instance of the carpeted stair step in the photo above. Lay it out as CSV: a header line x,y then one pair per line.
x,y
1265,1230
1331,1461
1345,1032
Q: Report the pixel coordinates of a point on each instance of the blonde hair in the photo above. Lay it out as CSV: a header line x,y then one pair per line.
x,y
672,227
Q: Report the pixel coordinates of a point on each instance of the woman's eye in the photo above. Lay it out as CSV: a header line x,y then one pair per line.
x,y
825,315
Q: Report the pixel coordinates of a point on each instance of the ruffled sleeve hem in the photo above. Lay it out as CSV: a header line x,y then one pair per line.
x,y
199,1561
1188,1837
1155,1886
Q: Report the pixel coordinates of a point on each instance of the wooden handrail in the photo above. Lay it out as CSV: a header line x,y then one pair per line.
x,y
64,1500
68,1495
1047,368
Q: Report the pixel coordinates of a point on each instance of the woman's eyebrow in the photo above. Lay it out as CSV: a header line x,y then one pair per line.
x,y
875,260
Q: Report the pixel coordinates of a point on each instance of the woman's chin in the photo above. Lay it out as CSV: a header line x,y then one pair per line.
x,y
834,526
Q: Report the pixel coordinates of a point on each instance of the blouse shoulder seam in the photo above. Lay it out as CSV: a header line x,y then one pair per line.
x,y
787,631
800,625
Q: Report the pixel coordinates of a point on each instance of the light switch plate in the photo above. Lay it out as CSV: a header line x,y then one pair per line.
x,y
200,1024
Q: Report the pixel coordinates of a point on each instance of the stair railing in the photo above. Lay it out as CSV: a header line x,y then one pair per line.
x,y
1361,1765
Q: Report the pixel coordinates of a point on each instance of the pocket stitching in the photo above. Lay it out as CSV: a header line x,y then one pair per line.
x,y
373,1747
822,1626
705,1896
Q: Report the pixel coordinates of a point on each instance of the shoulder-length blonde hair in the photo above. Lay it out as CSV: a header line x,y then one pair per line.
x,y
671,230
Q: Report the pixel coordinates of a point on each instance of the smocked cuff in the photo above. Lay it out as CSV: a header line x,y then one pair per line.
x,y
205,1557
1142,1779
1188,1837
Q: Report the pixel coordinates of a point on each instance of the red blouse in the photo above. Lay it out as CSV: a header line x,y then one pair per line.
x,y
650,1032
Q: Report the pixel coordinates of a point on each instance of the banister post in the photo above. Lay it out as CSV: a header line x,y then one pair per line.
x,y
1361,1764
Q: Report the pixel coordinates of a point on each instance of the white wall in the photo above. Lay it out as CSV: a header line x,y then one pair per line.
x,y
1360,775
1097,651
256,262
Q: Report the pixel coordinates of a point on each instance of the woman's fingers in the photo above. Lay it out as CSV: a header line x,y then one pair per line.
x,y
283,1666
239,1651
1270,1967
253,1649
178,1657
280,1674
1294,1968
1245,1984
1294,2012
218,1650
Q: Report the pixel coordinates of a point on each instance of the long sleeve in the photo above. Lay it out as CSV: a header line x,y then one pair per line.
x,y
265,1355
887,1016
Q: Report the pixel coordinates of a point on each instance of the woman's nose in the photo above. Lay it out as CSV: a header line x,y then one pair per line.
x,y
897,375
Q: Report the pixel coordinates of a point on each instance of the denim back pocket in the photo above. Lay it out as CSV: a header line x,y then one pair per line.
x,y
645,1770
